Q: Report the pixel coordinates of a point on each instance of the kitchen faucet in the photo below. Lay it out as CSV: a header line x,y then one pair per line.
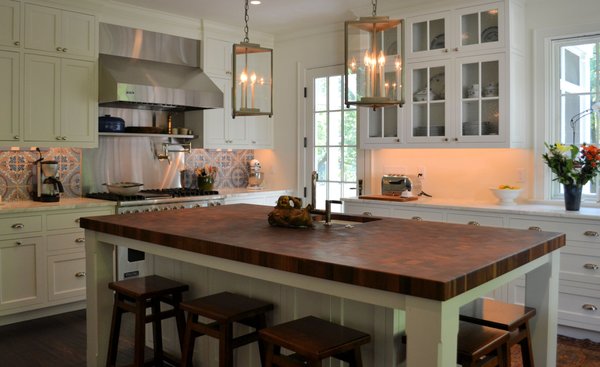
x,y
313,189
328,210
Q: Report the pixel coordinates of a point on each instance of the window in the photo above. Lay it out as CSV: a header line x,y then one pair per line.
x,y
577,89
332,149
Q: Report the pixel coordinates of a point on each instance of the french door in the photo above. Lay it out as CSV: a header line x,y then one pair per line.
x,y
332,144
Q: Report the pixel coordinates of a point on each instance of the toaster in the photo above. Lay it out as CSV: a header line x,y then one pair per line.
x,y
394,185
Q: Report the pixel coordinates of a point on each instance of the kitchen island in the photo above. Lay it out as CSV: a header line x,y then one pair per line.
x,y
427,269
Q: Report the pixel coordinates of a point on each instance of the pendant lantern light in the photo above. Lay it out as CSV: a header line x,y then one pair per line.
x,y
374,67
252,89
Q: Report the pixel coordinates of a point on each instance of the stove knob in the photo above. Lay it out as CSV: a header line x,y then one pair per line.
x,y
155,209
217,203
165,208
197,206
136,211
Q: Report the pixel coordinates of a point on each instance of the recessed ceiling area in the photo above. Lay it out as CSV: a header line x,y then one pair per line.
x,y
272,16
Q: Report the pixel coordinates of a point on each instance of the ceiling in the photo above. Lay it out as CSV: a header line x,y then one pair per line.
x,y
272,16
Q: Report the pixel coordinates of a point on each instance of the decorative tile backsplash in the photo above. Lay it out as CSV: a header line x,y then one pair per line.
x,y
16,169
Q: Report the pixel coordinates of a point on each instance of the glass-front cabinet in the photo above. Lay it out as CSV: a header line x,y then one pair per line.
x,y
466,29
382,128
429,110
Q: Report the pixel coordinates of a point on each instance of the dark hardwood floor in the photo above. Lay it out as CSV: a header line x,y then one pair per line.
x,y
56,341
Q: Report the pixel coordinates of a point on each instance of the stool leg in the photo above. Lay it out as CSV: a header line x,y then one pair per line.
x,y
261,323
526,351
157,332
357,361
226,345
140,333
179,318
188,342
268,361
115,328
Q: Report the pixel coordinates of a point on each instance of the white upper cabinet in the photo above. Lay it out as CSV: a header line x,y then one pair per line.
x,y
462,79
217,57
59,31
10,25
9,97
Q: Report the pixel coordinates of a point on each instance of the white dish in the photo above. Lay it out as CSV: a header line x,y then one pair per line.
x,y
506,196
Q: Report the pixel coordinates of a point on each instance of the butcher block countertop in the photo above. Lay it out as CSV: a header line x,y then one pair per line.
x,y
424,259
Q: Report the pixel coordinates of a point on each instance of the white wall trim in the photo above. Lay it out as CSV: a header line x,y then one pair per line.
x,y
542,97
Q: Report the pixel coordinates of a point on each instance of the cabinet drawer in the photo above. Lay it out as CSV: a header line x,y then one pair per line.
x,y
581,231
475,219
580,267
67,241
18,225
66,276
71,219
418,214
579,309
377,211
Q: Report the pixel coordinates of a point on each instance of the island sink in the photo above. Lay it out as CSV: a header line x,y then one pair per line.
x,y
342,220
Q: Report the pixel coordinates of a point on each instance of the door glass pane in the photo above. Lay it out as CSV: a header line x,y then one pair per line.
x,y
350,128
375,126
490,115
320,94
335,164
420,118
321,128
390,122
470,118
437,34
437,83
352,90
438,119
470,80
335,92
489,79
335,128
419,36
350,164
321,162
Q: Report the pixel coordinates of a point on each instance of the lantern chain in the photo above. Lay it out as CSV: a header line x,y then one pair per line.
x,y
374,2
246,18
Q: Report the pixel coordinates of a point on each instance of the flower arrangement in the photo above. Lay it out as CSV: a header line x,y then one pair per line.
x,y
573,165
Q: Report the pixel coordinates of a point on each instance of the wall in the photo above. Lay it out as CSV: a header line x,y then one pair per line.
x,y
450,171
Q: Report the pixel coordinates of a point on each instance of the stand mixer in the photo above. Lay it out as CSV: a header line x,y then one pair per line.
x,y
255,176
46,185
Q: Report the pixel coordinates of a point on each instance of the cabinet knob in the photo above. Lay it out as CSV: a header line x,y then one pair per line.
x,y
58,138
77,220
368,214
80,274
417,218
18,243
591,234
455,49
534,228
397,140
17,43
591,266
473,223
59,49
445,139
64,49
16,137
18,226
455,139
253,141
63,138
80,240
228,73
589,307
445,50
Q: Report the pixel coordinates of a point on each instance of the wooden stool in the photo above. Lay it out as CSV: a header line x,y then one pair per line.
x,y
504,316
136,295
480,346
225,309
312,340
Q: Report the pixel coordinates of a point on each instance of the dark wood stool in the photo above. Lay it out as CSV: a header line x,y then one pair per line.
x,y
312,340
225,309
480,346
504,316
135,296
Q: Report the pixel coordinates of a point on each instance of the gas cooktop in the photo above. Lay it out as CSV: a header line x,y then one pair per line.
x,y
152,194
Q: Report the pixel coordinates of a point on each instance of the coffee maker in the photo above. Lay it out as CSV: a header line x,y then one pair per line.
x,y
255,176
46,185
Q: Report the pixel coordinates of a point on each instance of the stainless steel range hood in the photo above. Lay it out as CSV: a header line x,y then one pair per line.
x,y
148,70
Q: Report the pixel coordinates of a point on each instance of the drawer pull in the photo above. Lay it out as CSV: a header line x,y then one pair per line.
x,y
417,218
77,220
80,274
591,234
368,214
591,266
80,240
589,307
534,228
17,43
473,223
18,226
18,243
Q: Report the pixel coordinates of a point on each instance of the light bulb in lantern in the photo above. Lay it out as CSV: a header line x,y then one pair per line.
x,y
252,81
353,64
244,83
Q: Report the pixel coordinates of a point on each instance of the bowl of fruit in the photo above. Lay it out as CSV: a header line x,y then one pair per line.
x,y
506,194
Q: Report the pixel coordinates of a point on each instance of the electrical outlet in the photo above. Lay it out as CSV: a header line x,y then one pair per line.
x,y
422,172
521,175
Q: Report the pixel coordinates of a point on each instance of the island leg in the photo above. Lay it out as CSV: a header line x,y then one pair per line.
x,y
542,293
431,332
99,272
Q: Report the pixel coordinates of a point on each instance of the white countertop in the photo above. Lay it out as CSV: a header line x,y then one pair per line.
x,y
553,209
236,192
9,207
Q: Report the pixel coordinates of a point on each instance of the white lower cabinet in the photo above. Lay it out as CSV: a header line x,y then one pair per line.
x,y
579,297
22,280
42,260
267,198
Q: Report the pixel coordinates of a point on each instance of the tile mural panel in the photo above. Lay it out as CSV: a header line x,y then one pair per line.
x,y
16,169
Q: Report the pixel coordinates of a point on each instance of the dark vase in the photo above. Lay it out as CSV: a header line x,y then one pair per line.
x,y
573,197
